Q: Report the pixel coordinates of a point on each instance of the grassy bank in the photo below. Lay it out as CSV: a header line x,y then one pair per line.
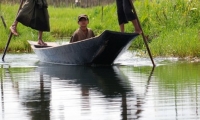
x,y
172,26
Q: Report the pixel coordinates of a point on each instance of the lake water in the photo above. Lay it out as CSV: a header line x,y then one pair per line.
x,y
133,90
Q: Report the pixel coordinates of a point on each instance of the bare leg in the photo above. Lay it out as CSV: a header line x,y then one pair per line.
x,y
136,25
121,27
40,41
13,28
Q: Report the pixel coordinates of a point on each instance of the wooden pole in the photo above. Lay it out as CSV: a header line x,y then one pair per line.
x,y
4,23
144,39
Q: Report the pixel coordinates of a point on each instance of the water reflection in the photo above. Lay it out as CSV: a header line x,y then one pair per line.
x,y
108,83
68,92
19,99
2,95
52,92
37,101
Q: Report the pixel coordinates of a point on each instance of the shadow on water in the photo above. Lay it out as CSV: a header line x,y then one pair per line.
x,y
109,81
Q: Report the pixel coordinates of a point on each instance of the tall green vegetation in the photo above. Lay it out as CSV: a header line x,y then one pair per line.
x,y
171,26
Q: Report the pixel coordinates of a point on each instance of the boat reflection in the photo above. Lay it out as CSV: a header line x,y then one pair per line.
x,y
110,82
90,77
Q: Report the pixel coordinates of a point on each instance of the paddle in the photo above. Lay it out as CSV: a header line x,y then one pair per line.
x,y
10,36
145,41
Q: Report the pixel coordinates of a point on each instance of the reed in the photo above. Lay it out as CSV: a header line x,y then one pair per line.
x,y
171,26
175,28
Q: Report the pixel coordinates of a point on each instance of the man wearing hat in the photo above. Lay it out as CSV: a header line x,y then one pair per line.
x,y
82,32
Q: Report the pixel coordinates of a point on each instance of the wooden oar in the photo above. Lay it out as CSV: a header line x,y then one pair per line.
x,y
10,36
145,41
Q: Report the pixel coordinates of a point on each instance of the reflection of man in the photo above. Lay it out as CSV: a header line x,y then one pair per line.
x,y
82,32
85,98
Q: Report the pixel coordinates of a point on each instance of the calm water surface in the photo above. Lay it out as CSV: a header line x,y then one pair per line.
x,y
133,90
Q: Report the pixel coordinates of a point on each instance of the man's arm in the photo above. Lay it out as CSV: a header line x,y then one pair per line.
x,y
74,38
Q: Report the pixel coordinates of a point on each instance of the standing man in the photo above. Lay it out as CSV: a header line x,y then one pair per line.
x,y
83,32
125,14
33,14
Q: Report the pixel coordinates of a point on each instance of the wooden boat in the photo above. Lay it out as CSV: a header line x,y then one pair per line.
x,y
100,50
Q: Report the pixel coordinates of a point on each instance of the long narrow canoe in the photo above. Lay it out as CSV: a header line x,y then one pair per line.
x,y
101,50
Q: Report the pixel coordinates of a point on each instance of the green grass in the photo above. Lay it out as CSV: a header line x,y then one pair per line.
x,y
172,26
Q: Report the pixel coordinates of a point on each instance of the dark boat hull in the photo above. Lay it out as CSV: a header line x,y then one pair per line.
x,y
101,50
